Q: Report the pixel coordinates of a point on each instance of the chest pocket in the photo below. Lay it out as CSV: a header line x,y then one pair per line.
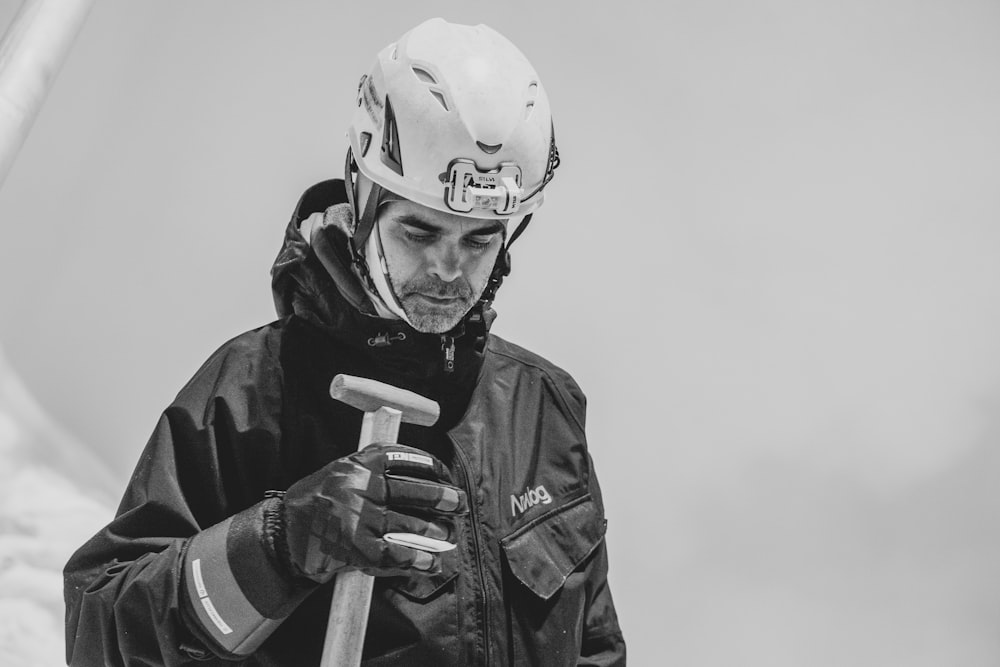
x,y
543,553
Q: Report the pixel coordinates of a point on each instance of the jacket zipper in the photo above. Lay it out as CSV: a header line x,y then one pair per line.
x,y
477,544
448,351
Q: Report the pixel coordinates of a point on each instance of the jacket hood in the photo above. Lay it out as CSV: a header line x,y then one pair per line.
x,y
318,284
300,283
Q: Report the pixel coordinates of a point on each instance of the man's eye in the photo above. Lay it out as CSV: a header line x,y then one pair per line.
x,y
418,237
479,242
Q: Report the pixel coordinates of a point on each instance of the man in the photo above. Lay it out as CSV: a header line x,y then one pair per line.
x,y
250,497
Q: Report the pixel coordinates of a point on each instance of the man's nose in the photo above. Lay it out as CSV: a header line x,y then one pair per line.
x,y
446,263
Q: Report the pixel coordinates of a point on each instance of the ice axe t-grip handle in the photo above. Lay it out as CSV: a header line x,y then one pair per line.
x,y
371,395
385,407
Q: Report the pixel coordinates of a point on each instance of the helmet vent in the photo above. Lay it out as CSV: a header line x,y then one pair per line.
x,y
532,94
489,149
424,75
439,96
390,141
395,52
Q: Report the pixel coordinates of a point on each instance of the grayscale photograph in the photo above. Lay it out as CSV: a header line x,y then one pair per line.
x,y
536,334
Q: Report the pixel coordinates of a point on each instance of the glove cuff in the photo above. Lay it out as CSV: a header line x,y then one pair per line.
x,y
236,589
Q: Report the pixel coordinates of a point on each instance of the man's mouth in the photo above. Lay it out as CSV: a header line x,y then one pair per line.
x,y
438,300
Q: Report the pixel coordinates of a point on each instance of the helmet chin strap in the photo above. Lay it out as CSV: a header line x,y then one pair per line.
x,y
366,244
387,303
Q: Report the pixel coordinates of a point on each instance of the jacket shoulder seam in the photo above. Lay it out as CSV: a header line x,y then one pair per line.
x,y
547,368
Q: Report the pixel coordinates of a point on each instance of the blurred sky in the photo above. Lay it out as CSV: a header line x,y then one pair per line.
x,y
771,257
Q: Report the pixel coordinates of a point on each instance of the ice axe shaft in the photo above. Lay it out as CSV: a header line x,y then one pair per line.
x,y
385,408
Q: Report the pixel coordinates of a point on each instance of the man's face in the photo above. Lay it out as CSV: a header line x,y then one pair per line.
x,y
439,263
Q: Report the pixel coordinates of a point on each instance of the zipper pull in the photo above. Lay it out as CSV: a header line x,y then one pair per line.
x,y
448,347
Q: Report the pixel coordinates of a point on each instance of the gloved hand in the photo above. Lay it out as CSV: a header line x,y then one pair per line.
x,y
335,518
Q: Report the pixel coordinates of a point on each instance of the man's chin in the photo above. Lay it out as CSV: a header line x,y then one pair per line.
x,y
434,324
434,320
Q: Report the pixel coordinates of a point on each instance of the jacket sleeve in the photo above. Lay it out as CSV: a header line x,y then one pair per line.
x,y
184,573
603,644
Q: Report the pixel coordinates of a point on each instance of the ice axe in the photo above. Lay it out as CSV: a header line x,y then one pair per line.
x,y
385,407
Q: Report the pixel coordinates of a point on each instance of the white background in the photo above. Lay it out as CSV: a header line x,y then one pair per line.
x,y
771,257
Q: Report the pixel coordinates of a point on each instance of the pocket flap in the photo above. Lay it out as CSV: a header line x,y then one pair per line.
x,y
544,553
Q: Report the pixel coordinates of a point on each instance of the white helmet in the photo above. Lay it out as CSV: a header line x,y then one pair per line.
x,y
453,117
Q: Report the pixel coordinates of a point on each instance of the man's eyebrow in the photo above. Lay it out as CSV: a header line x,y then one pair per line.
x,y
411,220
494,228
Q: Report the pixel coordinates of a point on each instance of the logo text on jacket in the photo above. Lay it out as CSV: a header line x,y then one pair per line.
x,y
528,499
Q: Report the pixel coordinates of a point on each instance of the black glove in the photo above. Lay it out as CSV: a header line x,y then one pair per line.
x,y
334,519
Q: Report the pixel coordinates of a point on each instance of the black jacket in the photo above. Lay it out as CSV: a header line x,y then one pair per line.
x,y
527,584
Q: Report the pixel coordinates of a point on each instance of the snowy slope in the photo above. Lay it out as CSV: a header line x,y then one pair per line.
x,y
53,495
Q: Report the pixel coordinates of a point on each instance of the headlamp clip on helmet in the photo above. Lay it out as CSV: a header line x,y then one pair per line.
x,y
467,188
